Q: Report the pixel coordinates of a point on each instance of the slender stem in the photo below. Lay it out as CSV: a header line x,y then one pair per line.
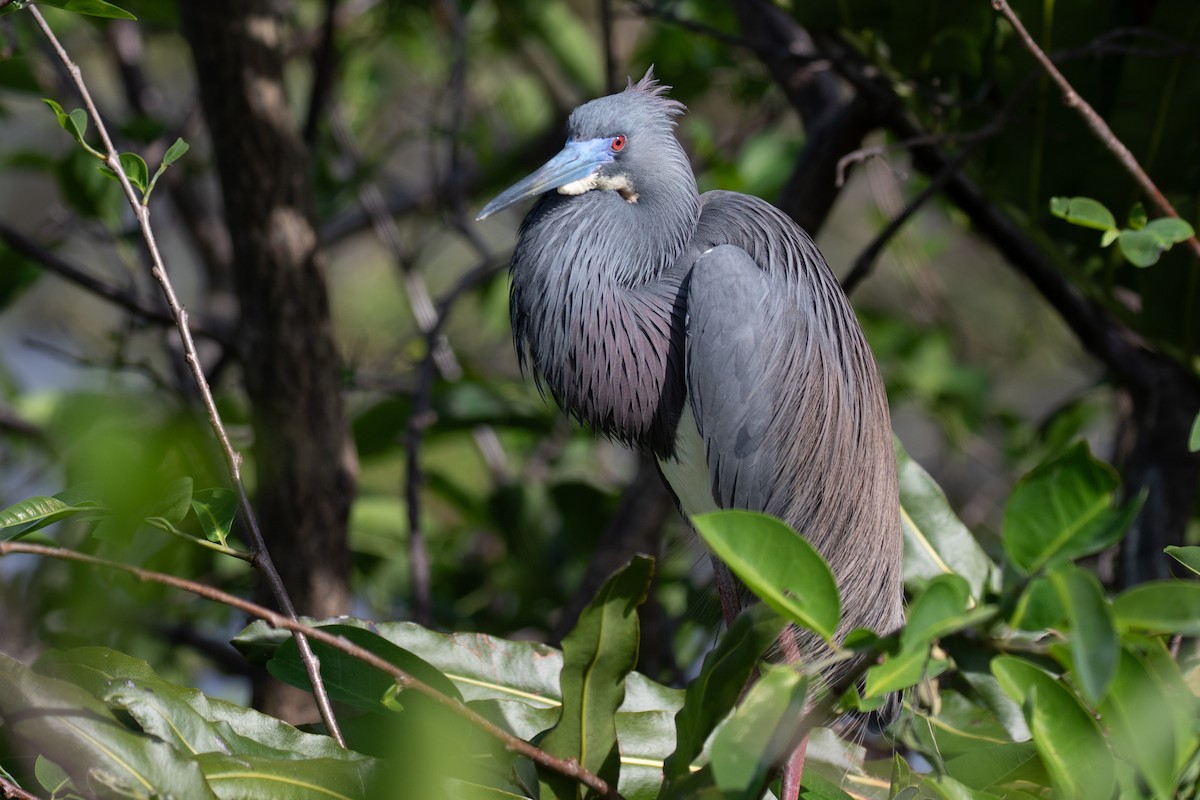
x,y
233,459
1093,120
8,789
165,525
569,768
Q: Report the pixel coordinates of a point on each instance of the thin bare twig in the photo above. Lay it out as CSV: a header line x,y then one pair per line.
x,y
262,558
405,681
8,789
1094,121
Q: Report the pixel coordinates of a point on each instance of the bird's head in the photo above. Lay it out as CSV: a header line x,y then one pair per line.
x,y
617,143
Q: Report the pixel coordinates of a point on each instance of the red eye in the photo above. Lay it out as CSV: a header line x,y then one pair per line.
x,y
618,144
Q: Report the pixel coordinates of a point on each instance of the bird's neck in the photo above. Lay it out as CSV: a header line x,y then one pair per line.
x,y
597,311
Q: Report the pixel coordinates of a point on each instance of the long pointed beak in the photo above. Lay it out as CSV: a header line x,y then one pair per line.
x,y
574,162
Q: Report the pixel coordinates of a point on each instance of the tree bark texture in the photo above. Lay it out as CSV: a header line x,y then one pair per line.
x,y
304,461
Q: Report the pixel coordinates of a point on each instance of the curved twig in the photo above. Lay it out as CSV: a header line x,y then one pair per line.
x,y
262,559
567,767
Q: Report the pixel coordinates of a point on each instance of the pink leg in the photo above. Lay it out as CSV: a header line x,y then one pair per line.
x,y
792,770
727,590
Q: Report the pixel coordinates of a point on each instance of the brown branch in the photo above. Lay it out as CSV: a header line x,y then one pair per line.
x,y
324,72
8,789
1094,121
233,459
405,681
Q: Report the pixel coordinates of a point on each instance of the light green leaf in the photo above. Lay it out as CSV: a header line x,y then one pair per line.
x,y
93,8
1140,248
216,510
777,564
1093,643
1109,236
175,501
74,123
53,778
245,777
1137,216
1137,711
175,152
37,512
1168,606
1170,230
994,764
78,733
598,654
759,733
935,540
934,612
1083,211
1062,510
1038,607
1066,736
722,678
1188,556
1194,436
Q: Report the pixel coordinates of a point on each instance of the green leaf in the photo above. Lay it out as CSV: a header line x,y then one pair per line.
x,y
350,680
988,766
1061,511
78,733
1083,211
1066,736
1169,231
1188,556
1160,607
598,654
1038,607
135,169
175,501
53,778
935,611
1094,645
935,540
37,512
716,689
175,152
93,8
759,733
777,564
106,674
902,670
1109,236
216,510
1194,436
74,123
1140,248
242,777
1137,216
1137,711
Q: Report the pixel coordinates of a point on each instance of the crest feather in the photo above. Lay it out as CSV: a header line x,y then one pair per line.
x,y
650,87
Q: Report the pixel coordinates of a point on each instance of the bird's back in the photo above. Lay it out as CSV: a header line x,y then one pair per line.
x,y
789,404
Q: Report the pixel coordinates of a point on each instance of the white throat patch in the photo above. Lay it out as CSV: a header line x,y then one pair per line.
x,y
617,183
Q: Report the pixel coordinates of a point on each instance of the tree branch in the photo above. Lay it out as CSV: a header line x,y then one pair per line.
x,y
302,631
1094,121
233,459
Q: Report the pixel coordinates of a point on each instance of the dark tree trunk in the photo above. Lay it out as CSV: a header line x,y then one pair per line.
x,y
302,453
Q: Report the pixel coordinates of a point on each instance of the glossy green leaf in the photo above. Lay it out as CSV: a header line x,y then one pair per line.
x,y
235,728
1066,736
815,787
759,732
74,123
716,690
935,540
1137,711
93,8
1168,606
257,778
598,654
1039,606
135,169
1062,510
935,611
75,730
37,512
216,509
1188,556
53,778
1083,211
1170,230
1093,642
1194,436
1137,216
350,680
1140,248
775,563
175,501
902,670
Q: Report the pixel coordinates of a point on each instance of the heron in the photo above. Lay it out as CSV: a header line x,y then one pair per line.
x,y
708,330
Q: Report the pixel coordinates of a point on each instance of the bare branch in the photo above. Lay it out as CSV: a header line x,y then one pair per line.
x,y
405,681
1094,121
8,789
233,459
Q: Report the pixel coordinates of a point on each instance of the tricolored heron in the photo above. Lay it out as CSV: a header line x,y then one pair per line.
x,y
708,330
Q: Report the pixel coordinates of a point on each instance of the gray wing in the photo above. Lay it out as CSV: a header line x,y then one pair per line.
x,y
788,402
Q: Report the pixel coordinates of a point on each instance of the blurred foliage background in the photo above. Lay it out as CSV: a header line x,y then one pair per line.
x,y
1003,333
